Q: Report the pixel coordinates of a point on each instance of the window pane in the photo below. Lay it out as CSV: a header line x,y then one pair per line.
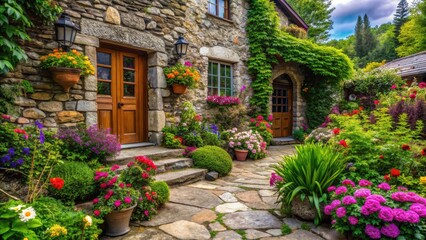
x,y
129,76
104,73
103,58
222,70
228,92
228,83
104,88
129,62
285,109
214,69
129,90
274,109
212,8
274,100
215,82
221,8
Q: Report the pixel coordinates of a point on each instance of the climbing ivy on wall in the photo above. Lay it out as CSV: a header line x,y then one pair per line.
x,y
268,42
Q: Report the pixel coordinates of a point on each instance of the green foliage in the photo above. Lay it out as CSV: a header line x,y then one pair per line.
x,y
285,229
305,226
71,59
79,185
295,31
299,135
401,16
8,94
162,190
170,141
227,117
373,83
317,14
267,42
308,174
410,39
359,47
210,139
182,74
213,158
373,65
14,21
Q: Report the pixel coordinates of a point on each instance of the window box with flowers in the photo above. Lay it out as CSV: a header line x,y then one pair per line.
x,y
180,77
67,67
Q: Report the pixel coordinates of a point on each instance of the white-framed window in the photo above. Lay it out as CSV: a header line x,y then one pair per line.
x,y
220,79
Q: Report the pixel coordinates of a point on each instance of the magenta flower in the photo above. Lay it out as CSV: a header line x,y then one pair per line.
x,y
188,64
386,214
372,232
117,203
341,212
384,186
348,200
146,212
96,200
399,215
420,209
393,86
402,189
376,197
128,200
348,182
331,189
364,183
270,118
341,190
362,193
243,88
115,167
390,230
328,209
335,203
412,217
353,220
274,179
370,206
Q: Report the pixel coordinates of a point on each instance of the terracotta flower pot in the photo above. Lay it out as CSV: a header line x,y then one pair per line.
x,y
65,77
117,222
241,155
179,88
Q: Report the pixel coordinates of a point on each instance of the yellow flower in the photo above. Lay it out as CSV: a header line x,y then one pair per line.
x,y
423,180
87,221
86,58
57,230
70,58
25,238
74,62
74,51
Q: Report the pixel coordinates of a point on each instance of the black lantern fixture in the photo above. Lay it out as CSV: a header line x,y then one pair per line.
x,y
65,31
181,46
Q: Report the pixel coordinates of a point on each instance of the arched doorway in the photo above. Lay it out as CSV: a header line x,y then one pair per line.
x,y
282,106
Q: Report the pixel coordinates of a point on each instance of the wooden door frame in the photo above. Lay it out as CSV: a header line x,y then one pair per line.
x,y
142,68
289,88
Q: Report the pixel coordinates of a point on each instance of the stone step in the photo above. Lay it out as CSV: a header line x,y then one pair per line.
x,y
283,141
182,177
167,164
153,152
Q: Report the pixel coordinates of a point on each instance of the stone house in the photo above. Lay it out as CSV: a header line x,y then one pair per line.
x,y
130,42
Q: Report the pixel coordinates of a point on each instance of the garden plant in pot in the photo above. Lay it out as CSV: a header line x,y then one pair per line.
x,y
180,77
67,67
115,202
247,143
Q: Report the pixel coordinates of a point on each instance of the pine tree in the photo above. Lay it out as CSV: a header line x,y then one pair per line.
x,y
359,48
369,40
401,16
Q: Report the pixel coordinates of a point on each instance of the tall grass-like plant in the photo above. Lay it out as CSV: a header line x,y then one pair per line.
x,y
308,174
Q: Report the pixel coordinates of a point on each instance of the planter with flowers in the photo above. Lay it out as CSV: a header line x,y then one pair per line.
x,y
181,77
247,143
368,211
67,67
115,202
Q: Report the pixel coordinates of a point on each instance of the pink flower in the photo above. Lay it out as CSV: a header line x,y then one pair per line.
x,y
413,96
399,215
260,118
128,200
274,179
121,185
393,86
331,189
130,164
117,203
348,182
188,64
335,203
353,220
103,185
333,221
412,217
376,102
145,175
107,196
370,206
146,212
115,167
364,183
96,200
328,209
362,193
372,232
341,190
376,197
341,212
384,186
348,200
420,209
270,118
422,85
390,230
402,188
252,120
386,214
96,212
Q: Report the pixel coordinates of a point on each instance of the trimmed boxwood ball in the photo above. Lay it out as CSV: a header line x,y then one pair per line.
x,y
162,190
78,179
213,158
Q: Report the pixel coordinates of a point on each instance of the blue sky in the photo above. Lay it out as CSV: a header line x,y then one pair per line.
x,y
347,11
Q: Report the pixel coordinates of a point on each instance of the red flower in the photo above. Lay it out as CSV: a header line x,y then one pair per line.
x,y
4,116
354,112
423,152
145,175
57,183
260,118
376,102
179,138
422,85
395,172
387,177
145,160
198,118
121,185
413,95
381,157
405,147
343,143
361,108
336,131
96,200
97,212
103,185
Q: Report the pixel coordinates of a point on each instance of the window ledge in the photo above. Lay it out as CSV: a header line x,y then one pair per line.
x,y
220,18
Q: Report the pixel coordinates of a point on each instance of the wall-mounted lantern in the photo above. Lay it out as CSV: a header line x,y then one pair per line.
x,y
65,31
181,46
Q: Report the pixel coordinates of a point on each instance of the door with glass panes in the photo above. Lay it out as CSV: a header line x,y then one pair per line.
x,y
282,109
121,94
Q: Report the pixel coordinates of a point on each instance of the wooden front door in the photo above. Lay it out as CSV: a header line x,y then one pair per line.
x,y
122,94
282,110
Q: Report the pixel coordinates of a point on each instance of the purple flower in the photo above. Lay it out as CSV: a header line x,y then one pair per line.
x,y
11,151
328,209
400,196
348,200
364,183
353,220
384,186
402,189
376,197
386,214
188,64
331,189
26,151
420,209
42,137
341,190
38,124
348,182
399,215
362,193
372,232
223,100
341,212
243,88
370,206
412,217
390,230
19,162
274,179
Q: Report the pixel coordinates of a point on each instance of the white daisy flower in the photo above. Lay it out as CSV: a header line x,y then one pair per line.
x,y
27,214
17,208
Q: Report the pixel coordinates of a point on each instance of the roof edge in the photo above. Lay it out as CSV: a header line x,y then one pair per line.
x,y
409,56
289,9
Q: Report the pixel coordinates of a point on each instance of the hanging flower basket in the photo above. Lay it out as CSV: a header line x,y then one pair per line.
x,y
65,77
179,88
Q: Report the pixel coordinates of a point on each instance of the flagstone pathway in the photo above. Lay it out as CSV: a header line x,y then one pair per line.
x,y
239,206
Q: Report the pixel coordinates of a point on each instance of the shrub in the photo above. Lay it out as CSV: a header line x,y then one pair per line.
x,y
377,212
263,127
171,141
308,174
299,135
162,190
78,178
227,117
214,159
210,139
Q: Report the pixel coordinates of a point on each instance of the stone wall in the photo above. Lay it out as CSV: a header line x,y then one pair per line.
x,y
150,26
